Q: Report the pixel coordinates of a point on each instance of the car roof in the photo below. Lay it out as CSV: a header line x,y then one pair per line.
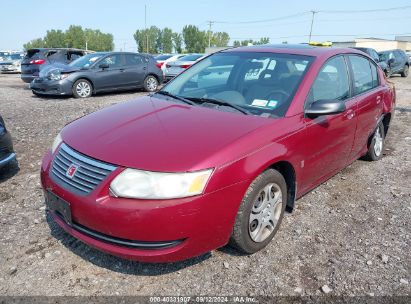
x,y
58,49
295,49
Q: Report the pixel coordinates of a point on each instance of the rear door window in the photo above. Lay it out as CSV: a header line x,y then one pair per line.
x,y
134,59
363,79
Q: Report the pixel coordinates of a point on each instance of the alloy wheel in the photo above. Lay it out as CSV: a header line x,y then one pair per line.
x,y
83,89
152,84
378,142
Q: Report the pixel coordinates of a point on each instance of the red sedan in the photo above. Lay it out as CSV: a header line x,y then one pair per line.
x,y
218,154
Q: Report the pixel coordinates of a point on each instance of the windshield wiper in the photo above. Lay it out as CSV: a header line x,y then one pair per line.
x,y
221,103
166,93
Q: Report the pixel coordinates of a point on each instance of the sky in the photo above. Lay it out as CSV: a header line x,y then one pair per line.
x,y
23,20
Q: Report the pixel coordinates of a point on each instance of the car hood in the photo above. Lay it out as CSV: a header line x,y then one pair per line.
x,y
63,68
159,135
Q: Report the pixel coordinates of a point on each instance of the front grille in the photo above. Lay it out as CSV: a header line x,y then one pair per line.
x,y
88,175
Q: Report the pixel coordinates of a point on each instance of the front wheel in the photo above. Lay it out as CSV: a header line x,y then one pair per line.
x,y
260,213
150,83
82,89
376,146
404,72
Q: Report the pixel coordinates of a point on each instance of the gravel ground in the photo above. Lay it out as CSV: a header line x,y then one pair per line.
x,y
350,236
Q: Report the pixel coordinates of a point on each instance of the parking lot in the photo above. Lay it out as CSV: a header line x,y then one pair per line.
x,y
352,233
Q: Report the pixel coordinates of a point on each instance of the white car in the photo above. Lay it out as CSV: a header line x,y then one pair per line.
x,y
163,59
176,67
11,63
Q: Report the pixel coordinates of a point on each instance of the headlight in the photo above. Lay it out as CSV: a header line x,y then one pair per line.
x,y
140,184
56,143
56,75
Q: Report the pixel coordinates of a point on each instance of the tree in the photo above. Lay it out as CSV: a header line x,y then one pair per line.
x,y
74,37
178,43
147,40
194,39
98,41
35,43
263,40
167,40
220,39
55,39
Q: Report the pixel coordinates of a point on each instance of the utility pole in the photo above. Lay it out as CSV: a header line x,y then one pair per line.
x,y
210,24
86,45
145,26
312,23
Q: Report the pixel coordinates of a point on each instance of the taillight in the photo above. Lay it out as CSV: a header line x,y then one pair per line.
x,y
159,64
38,61
184,66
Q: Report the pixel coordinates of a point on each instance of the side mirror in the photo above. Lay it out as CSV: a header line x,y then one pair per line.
x,y
325,107
104,66
391,61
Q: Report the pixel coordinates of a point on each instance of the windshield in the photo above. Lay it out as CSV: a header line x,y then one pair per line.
x,y
12,57
261,83
86,61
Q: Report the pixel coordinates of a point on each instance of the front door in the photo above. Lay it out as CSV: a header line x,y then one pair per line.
x,y
329,137
109,78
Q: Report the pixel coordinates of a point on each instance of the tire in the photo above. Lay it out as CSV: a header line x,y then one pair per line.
x,y
248,235
405,71
150,83
82,88
376,145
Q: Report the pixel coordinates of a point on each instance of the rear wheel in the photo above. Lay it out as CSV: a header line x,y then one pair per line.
x,y
405,71
260,213
82,89
150,83
376,147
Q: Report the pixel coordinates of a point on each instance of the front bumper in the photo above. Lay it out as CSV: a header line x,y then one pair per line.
x,y
51,87
7,154
178,228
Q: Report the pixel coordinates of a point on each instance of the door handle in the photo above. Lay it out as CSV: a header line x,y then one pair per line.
x,y
350,114
121,70
378,99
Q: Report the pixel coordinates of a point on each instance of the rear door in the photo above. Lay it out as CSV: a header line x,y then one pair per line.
x,y
135,70
109,78
330,137
368,94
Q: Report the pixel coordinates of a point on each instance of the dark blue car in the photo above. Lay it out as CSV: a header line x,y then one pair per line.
x,y
99,72
7,154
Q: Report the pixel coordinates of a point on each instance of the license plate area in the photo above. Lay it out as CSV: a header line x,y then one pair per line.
x,y
57,204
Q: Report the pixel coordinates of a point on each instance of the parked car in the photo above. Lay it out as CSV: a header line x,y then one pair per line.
x,y
99,72
36,59
202,163
163,59
7,154
176,67
376,57
11,63
397,62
